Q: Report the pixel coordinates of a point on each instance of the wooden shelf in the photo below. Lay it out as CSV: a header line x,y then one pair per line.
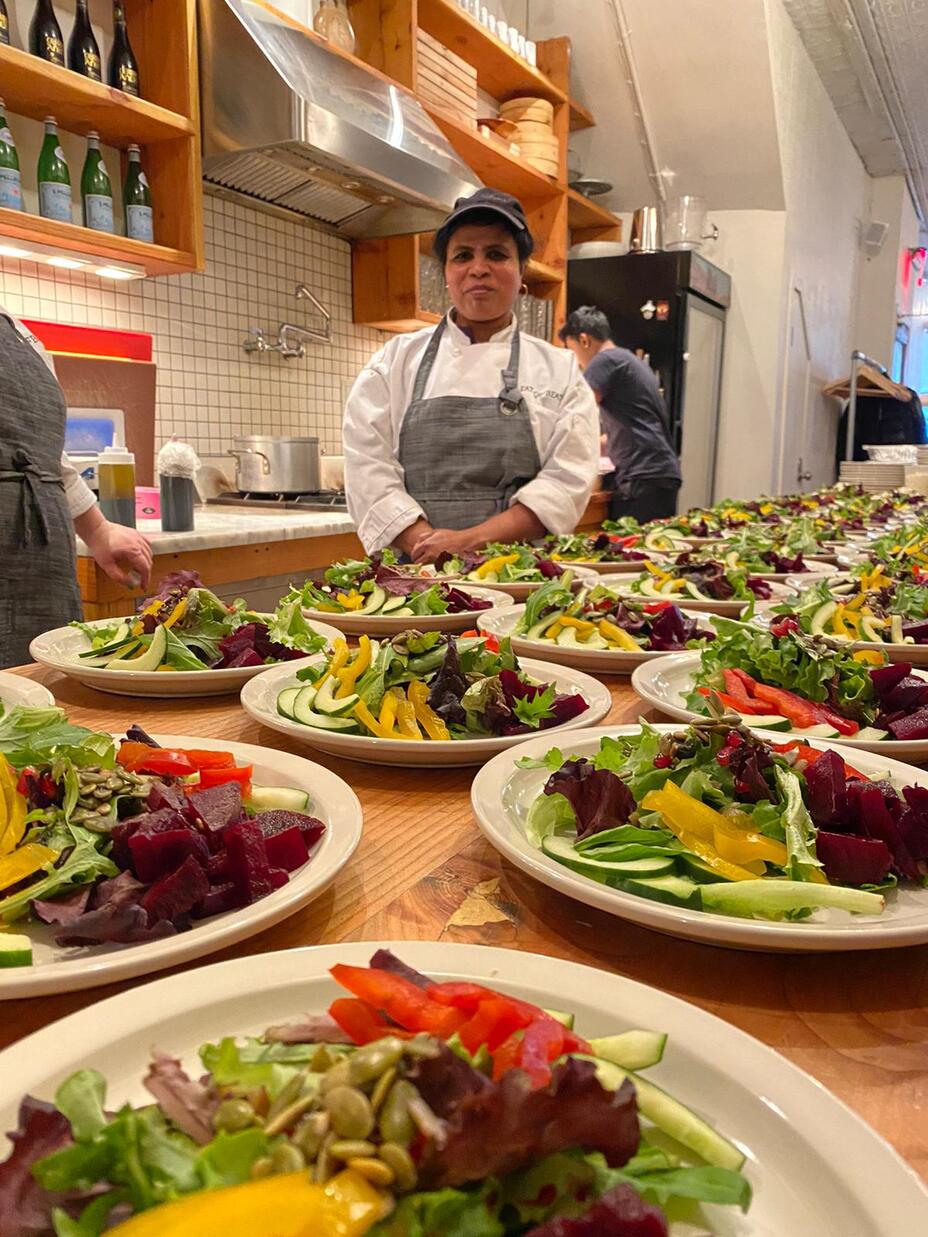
x,y
492,162
500,72
539,272
156,259
585,215
580,117
33,87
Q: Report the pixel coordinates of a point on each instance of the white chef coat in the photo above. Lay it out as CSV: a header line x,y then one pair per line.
x,y
78,495
562,410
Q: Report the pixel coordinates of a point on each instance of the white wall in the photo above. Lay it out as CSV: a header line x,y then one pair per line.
x,y
881,291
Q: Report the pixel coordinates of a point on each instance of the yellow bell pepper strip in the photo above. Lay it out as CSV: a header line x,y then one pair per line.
x,y
406,719
370,722
427,718
837,624
738,841
387,717
578,624
350,673
869,656
656,571
351,601
288,1205
612,631
12,809
494,564
24,862
177,613
693,822
857,603
554,630
336,661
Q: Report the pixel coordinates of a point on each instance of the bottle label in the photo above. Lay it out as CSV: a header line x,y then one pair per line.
x,y
55,201
91,64
139,223
11,194
59,153
99,212
54,49
128,79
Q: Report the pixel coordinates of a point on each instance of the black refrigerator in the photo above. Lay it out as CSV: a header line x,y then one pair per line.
x,y
669,307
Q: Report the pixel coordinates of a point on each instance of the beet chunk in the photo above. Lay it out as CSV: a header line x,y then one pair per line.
x,y
271,823
219,899
177,893
853,861
249,869
915,726
157,850
286,849
216,808
827,793
874,820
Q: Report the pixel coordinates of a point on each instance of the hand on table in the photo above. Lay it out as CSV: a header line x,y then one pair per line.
x,y
436,541
123,553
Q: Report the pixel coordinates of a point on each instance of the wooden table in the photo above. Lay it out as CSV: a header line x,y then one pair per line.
x,y
857,1022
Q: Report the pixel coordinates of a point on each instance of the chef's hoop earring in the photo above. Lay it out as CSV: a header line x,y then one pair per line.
x,y
524,289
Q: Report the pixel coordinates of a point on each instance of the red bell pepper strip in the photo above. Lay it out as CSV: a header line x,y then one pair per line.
x,y
492,1023
748,707
218,777
542,1043
491,643
469,997
203,759
655,607
506,1057
802,712
141,758
402,1000
735,687
361,1022
746,679
811,754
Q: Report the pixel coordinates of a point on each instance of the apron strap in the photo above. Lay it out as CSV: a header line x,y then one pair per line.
x,y
428,360
510,397
29,476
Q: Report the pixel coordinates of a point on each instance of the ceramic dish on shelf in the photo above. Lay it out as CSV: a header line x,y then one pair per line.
x,y
502,794
259,698
666,683
60,649
64,969
353,623
727,609
815,1167
594,661
16,689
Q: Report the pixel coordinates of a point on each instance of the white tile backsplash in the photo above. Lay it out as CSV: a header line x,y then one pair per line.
x,y
209,388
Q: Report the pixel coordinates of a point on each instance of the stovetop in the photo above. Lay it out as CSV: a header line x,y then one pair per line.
x,y
319,500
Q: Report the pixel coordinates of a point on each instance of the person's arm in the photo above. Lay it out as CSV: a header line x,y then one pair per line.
x,y
516,523
123,553
383,512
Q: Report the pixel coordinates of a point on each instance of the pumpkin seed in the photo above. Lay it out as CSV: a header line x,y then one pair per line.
x,y
286,1117
352,1149
233,1115
395,1123
350,1112
325,1164
400,1163
382,1088
287,1159
262,1167
368,1063
376,1171
310,1133
337,1076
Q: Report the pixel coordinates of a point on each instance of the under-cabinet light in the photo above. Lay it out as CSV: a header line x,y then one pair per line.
x,y
71,260
13,251
118,272
66,263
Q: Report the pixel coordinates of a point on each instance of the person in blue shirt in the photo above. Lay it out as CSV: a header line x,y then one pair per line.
x,y
645,480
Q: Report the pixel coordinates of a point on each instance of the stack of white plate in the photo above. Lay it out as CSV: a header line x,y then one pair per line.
x,y
921,454
872,476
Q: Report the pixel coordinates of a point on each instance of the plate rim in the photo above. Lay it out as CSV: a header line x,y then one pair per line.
x,y
218,932
25,685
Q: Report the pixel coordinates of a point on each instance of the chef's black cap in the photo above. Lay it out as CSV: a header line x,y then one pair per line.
x,y
487,206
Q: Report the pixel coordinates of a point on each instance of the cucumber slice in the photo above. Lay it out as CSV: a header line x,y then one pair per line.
x,y
566,1020
675,1119
649,588
674,890
562,849
15,949
771,899
278,799
403,612
302,704
567,638
696,592
99,660
375,600
824,731
871,734
768,721
698,871
821,617
871,632
326,702
306,715
895,629
153,656
285,701
118,639
537,630
631,1049
392,603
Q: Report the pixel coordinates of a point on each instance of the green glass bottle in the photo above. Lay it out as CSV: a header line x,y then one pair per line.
x,y
96,190
136,197
53,177
11,192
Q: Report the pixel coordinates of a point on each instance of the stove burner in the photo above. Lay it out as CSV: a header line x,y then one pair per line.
x,y
319,500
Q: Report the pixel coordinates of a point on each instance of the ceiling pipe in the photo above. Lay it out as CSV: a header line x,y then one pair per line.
x,y
646,140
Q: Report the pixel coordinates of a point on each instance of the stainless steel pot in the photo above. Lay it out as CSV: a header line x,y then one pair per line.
x,y
646,230
267,465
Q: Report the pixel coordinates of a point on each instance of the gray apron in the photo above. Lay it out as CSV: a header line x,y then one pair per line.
x,y
464,457
38,578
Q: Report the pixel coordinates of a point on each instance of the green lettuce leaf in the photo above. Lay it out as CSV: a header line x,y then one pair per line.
x,y
29,736
549,814
81,866
179,656
227,1160
288,626
445,1213
799,829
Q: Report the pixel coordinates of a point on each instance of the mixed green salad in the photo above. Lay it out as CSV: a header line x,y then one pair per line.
x,y
707,580
425,686
412,1106
596,548
871,608
598,618
496,563
186,627
717,818
381,586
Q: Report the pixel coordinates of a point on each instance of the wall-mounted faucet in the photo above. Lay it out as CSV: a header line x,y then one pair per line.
x,y
291,339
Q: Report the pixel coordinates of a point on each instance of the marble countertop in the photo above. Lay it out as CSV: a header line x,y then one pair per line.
x,y
216,526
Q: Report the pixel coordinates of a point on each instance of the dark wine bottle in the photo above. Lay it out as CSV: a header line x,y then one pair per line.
x,y
83,50
4,24
45,34
122,70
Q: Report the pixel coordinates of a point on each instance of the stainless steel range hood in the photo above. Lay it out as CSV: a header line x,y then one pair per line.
x,y
288,124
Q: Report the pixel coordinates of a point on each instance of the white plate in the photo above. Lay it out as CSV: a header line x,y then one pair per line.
x,y
16,689
727,609
798,583
502,794
597,661
57,968
815,1166
602,569
259,698
914,654
354,624
59,649
519,592
666,682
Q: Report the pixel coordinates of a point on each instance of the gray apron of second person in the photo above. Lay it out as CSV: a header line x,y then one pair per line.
x,y
38,579
464,457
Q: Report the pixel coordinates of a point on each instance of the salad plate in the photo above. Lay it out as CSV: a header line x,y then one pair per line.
x,y
61,648
596,661
502,796
17,689
57,968
815,1167
729,608
665,684
260,698
521,589
354,623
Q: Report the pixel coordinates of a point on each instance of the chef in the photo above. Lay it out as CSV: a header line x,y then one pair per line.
x,y
470,431
43,501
